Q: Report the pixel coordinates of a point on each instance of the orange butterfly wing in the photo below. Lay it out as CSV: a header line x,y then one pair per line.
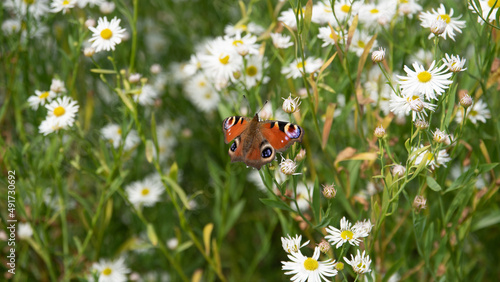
x,y
280,134
233,127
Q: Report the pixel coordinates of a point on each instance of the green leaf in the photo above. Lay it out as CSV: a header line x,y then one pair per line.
x,y
276,204
490,219
459,202
152,234
103,71
234,215
149,151
433,184
178,190
486,167
461,180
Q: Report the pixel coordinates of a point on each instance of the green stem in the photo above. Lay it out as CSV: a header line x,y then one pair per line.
x,y
134,36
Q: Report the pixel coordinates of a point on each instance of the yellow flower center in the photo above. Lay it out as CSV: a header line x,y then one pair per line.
x,y
145,191
107,271
251,71
430,157
445,18
374,11
339,266
44,95
237,42
301,65
119,131
424,76
208,95
347,235
241,27
65,2
311,264
224,60
59,111
403,1
202,84
491,3
106,33
29,2
345,8
361,44
473,113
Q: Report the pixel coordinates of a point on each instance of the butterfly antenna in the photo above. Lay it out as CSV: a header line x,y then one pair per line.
x,y
265,103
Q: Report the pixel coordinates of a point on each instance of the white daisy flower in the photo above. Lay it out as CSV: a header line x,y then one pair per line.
x,y
24,231
454,24
488,8
365,226
11,26
21,8
478,112
428,82
57,86
432,160
413,103
253,71
146,96
292,244
244,45
359,41
345,234
454,63
91,3
377,15
107,7
113,134
48,126
309,269
62,111
254,28
145,193
107,34
288,17
439,136
408,8
221,61
62,5
191,67
360,263
281,41
322,13
345,10
294,70
325,34
40,98
111,271
167,133
201,93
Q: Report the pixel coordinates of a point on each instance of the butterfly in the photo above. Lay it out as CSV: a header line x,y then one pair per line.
x,y
256,142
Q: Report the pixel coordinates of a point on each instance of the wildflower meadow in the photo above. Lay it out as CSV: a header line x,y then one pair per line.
x,y
252,140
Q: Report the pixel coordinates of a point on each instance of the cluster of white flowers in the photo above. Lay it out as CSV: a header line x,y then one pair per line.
x,y
311,269
61,110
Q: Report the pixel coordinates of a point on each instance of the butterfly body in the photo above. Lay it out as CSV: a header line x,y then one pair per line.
x,y
256,142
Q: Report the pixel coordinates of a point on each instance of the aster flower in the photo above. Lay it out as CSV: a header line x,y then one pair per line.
x,y
345,234
113,134
413,103
107,34
145,193
453,24
62,5
292,244
454,63
408,8
346,9
294,70
288,17
21,8
40,98
325,34
359,41
201,93
244,45
253,71
309,268
429,82
477,112
377,15
57,86
63,111
281,41
287,166
439,136
221,61
111,271
488,10
365,225
360,263
433,160
322,13
291,105
146,96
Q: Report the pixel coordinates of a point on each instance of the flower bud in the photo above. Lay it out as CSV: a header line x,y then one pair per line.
x,y
291,105
329,191
438,26
420,203
88,51
398,170
378,55
421,124
380,132
288,166
465,99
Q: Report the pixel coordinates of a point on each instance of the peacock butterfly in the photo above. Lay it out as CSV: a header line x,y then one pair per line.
x,y
256,142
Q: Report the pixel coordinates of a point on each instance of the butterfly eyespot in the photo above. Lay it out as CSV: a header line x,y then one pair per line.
x,y
292,131
233,147
266,153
